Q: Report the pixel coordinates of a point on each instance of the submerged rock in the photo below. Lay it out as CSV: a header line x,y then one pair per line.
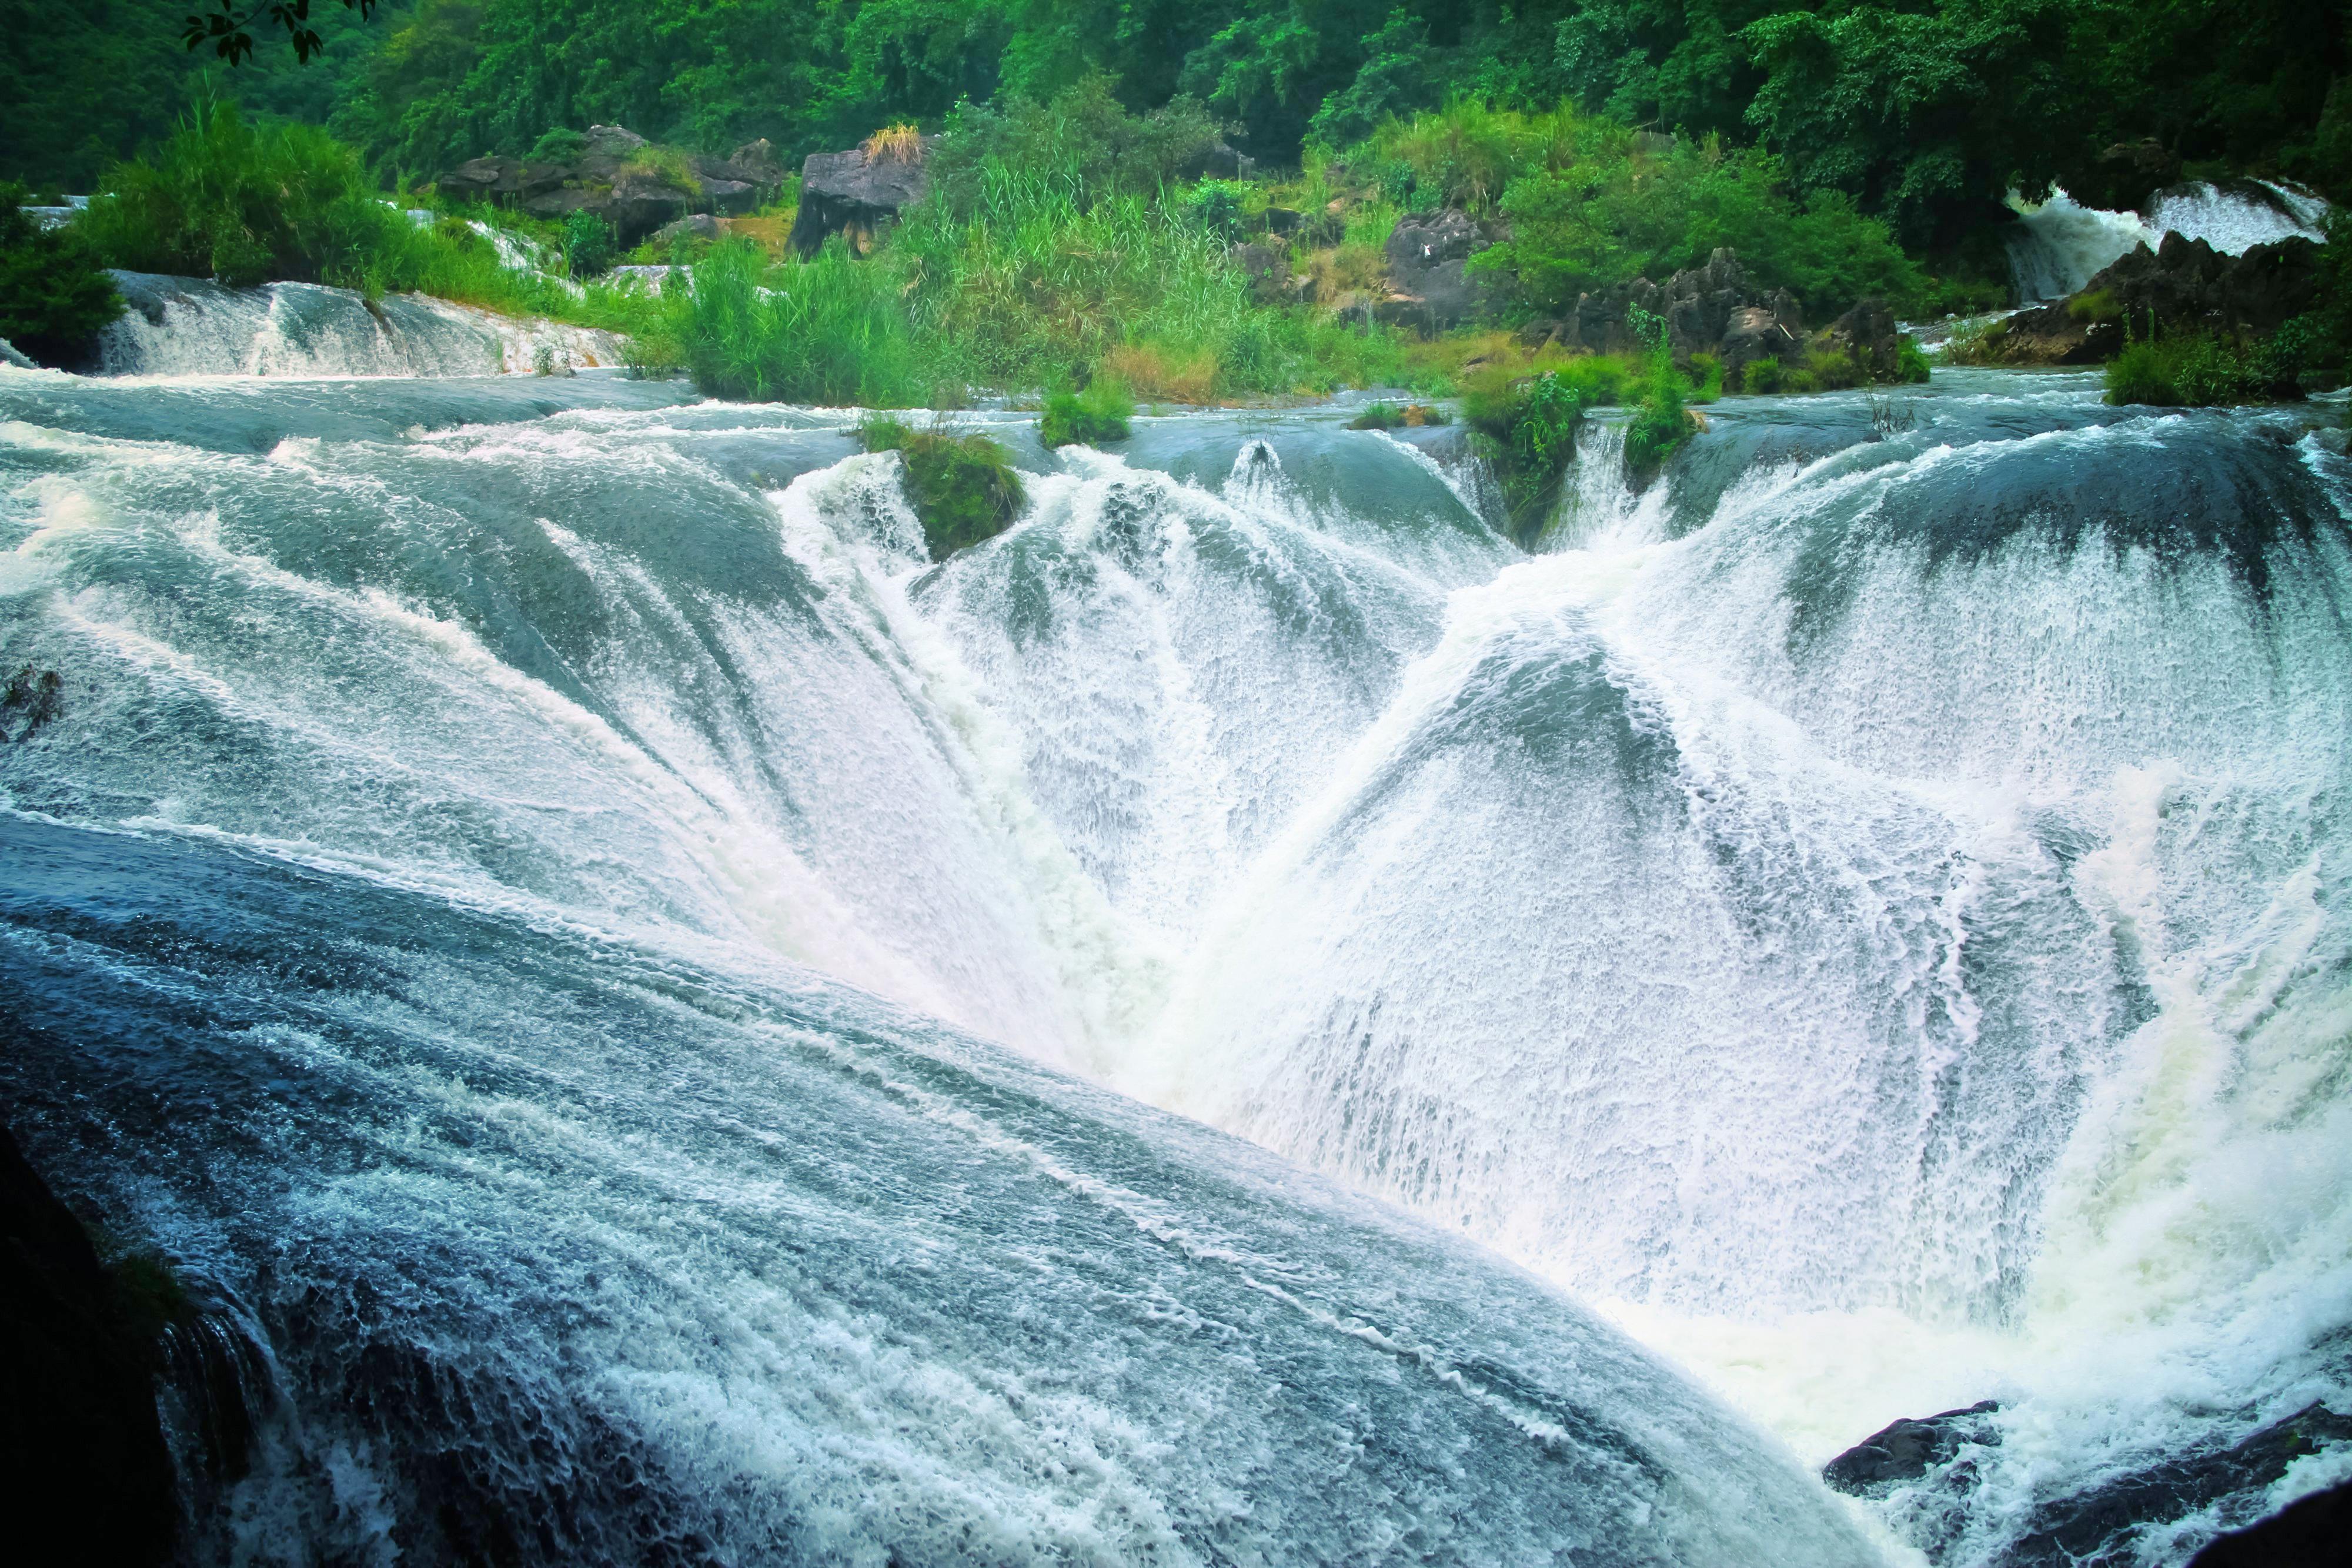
x,y
82,1458
1907,1449
2314,1533
853,194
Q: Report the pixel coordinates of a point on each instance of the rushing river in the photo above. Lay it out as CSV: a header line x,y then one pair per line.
x,y
1246,1020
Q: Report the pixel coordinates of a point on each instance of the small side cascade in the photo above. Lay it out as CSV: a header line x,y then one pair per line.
x,y
2060,243
194,327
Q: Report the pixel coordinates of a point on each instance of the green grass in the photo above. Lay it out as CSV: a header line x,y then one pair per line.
x,y
959,484
1390,416
1091,417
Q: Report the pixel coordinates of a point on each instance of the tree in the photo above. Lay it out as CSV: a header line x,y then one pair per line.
x,y
230,31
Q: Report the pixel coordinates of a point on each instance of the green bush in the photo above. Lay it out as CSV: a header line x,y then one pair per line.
x,y
1660,424
1758,376
589,243
224,199
1389,416
1216,207
1911,360
1090,417
53,296
558,145
1083,142
961,486
1527,428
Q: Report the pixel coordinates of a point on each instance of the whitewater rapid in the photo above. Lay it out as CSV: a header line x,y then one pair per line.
x,y
1867,915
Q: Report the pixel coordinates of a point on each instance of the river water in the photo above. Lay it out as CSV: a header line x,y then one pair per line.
x,y
1246,1020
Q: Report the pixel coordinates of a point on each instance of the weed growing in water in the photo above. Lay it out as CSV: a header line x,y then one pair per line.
x,y
960,483
1089,417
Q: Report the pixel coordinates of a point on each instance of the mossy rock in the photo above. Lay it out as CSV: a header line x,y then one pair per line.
x,y
962,486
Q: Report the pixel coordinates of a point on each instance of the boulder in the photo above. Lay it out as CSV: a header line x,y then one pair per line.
x,y
1868,334
608,147
694,226
1216,160
1427,255
1756,333
2125,175
82,1459
2309,1533
1907,1449
852,194
1267,267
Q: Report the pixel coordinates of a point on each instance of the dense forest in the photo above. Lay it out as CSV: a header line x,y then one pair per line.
x,y
1922,111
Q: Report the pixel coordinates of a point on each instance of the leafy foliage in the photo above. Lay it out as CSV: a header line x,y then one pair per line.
x,y
962,485
53,297
589,243
826,331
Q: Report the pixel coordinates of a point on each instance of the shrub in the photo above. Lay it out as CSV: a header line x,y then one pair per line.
x,y
1979,343
1216,207
1389,416
1911,360
53,296
558,145
589,243
1082,142
2094,306
223,198
1660,424
960,484
1759,376
1709,372
1090,417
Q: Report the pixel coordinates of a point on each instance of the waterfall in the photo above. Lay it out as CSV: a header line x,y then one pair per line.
x,y
650,975
192,327
2060,245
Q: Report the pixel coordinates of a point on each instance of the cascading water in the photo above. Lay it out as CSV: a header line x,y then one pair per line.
x,y
192,327
1867,912
2060,245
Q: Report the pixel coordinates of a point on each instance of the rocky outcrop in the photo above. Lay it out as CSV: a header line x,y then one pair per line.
x,y
82,1458
1907,1449
694,226
853,194
2185,285
2311,1532
2100,1524
1267,266
1710,309
1428,255
618,177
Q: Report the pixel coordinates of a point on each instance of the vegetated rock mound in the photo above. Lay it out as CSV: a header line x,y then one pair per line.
x,y
622,178
853,194
2185,285
1937,1458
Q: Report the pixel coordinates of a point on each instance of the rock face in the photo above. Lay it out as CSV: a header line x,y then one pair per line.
x,y
695,226
2185,285
2102,1523
1267,266
1710,309
851,195
1907,1449
82,1449
1427,254
2315,1533
613,178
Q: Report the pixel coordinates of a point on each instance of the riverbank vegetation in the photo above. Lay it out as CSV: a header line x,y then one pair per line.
x,y
960,483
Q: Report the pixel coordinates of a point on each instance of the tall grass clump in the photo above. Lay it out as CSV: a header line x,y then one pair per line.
x,y
828,330
1096,413
223,198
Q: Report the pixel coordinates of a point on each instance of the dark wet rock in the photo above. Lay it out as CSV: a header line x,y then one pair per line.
x,y
1709,309
501,179
1428,253
694,226
1267,267
2125,175
2314,1533
2184,285
2098,1526
1868,335
82,1457
852,194
1281,219
1907,1449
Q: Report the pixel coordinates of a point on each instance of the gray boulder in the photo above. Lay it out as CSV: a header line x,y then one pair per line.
x,y
1267,267
694,226
851,195
1427,255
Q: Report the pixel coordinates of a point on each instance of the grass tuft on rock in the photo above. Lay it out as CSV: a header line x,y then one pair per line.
x,y
1390,416
1087,418
960,483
